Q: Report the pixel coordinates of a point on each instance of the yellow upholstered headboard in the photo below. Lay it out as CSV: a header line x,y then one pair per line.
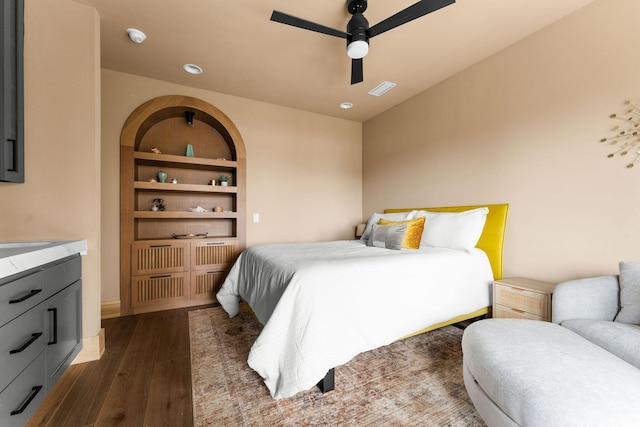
x,y
492,238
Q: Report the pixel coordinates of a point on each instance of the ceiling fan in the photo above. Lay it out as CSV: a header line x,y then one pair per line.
x,y
358,32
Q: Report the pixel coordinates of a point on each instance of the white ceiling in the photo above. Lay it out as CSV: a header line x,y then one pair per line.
x,y
244,54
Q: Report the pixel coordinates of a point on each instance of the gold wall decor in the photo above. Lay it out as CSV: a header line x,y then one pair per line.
x,y
625,140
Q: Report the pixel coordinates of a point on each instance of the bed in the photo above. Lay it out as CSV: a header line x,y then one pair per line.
x,y
323,303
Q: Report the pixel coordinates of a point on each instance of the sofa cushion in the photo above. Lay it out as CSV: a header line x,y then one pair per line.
x,y
621,339
541,374
629,293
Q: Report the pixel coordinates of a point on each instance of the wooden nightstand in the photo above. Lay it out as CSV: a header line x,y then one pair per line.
x,y
521,298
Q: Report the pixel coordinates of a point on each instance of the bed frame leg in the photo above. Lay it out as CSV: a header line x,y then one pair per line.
x,y
328,382
462,325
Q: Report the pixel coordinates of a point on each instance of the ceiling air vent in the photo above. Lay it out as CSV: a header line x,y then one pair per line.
x,y
382,88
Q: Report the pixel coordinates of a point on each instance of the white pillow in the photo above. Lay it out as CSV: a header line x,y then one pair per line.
x,y
398,216
453,230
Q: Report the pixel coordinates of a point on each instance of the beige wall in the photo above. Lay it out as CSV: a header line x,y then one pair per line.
x,y
60,198
523,127
520,127
304,170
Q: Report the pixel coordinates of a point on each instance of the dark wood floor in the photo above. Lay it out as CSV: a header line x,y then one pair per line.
x,y
142,379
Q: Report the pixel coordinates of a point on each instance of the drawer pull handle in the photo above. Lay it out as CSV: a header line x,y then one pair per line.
x,y
518,289
160,277
517,311
160,246
26,297
34,391
215,244
55,326
27,344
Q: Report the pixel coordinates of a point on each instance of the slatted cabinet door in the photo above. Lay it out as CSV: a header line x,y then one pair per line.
x,y
160,256
174,272
158,289
210,262
160,272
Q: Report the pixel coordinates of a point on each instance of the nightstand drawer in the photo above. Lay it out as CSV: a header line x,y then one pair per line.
x,y
528,301
513,313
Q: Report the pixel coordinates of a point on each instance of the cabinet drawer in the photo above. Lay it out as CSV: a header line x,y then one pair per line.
x,y
21,340
20,295
159,288
513,313
206,284
159,257
61,275
531,302
215,255
23,395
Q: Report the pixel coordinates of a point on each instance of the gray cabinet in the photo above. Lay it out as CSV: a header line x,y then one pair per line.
x,y
12,91
40,334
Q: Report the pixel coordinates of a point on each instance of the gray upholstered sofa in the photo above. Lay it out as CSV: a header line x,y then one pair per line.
x,y
590,308
581,370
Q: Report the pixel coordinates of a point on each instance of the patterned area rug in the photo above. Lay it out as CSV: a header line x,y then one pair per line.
x,y
414,382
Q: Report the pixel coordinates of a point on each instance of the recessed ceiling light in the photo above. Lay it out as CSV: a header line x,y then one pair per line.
x,y
135,35
346,105
382,88
192,69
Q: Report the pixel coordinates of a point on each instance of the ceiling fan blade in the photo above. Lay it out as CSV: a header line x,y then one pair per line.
x,y
409,14
356,71
283,18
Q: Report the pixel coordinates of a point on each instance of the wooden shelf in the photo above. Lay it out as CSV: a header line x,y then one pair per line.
x,y
183,160
167,186
158,272
205,240
184,215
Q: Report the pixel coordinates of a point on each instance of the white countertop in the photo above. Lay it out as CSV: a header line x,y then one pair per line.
x,y
16,257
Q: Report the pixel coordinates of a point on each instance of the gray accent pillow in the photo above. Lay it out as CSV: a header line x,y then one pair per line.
x,y
387,236
396,216
629,293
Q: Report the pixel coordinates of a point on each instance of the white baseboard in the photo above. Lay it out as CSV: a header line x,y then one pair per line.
x,y
92,349
109,310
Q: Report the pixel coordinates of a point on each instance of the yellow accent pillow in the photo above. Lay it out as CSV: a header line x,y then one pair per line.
x,y
413,234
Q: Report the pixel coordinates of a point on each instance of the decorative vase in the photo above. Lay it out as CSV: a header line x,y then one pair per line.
x,y
162,176
189,150
224,183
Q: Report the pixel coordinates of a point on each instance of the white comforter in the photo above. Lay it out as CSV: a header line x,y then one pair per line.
x,y
321,304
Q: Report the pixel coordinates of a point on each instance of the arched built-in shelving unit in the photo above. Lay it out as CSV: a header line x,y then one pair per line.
x,y
159,271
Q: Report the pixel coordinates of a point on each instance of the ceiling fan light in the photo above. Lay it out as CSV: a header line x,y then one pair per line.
x,y
357,49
